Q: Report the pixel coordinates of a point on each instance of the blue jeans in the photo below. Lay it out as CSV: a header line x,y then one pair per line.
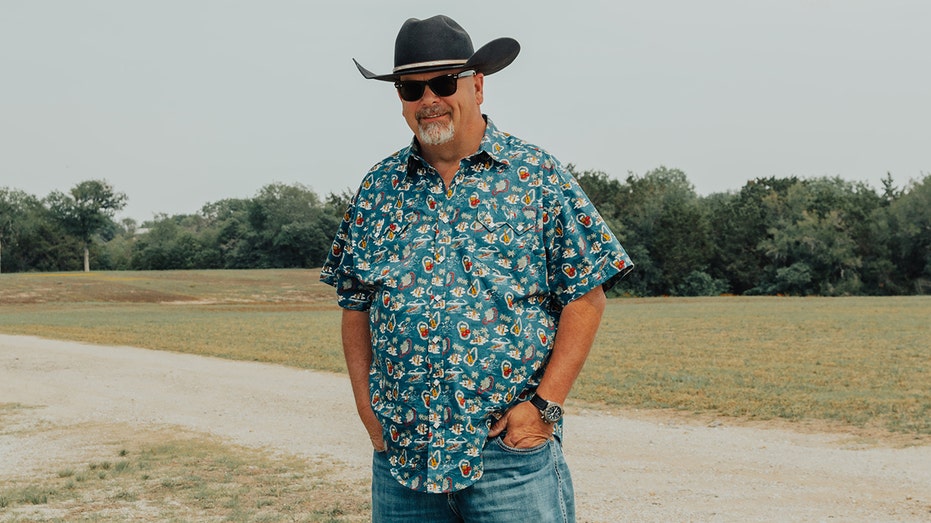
x,y
518,485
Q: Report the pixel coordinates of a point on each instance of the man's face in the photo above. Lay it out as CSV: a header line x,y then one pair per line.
x,y
435,119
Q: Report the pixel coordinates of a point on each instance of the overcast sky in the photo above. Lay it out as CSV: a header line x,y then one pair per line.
x,y
178,103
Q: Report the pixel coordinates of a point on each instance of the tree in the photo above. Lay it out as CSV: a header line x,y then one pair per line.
x,y
741,221
666,229
87,210
171,242
116,253
7,211
910,218
813,233
32,240
284,226
286,229
10,207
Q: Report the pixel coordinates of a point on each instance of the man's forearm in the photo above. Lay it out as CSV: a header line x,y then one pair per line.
x,y
578,325
357,348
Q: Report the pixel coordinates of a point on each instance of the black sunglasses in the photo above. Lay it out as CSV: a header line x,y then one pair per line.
x,y
443,85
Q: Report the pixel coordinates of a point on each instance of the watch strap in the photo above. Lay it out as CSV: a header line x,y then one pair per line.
x,y
539,402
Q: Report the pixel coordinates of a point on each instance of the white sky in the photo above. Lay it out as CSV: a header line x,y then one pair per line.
x,y
178,103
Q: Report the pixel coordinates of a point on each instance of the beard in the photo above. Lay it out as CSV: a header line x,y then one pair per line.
x,y
434,133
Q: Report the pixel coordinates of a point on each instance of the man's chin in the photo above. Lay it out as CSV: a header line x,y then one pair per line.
x,y
436,134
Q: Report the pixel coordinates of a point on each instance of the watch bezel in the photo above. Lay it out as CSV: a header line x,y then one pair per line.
x,y
550,411
553,412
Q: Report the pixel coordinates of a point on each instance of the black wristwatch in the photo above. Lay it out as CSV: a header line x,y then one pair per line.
x,y
550,411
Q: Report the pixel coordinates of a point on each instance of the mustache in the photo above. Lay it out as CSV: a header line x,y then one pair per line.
x,y
430,112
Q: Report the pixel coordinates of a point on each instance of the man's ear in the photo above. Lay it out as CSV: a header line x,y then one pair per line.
x,y
479,82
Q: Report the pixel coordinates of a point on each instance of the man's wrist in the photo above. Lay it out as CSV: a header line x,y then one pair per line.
x,y
550,411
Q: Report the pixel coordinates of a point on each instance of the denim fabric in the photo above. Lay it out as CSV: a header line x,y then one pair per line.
x,y
518,485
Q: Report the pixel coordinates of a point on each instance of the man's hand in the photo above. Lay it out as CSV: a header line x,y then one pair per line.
x,y
374,429
524,427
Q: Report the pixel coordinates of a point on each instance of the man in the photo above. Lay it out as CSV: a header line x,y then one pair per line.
x,y
458,258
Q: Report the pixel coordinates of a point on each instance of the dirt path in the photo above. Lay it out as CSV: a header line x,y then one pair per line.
x,y
630,467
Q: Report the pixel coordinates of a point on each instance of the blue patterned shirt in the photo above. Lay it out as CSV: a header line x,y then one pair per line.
x,y
464,286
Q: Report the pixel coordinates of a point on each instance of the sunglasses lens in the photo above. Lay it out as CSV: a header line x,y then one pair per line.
x,y
410,91
443,85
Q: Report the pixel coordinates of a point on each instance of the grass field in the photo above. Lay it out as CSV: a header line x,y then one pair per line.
x,y
859,362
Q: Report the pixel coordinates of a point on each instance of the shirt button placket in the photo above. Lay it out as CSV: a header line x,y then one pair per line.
x,y
434,319
441,406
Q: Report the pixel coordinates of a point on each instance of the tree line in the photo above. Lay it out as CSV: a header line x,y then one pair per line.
x,y
792,236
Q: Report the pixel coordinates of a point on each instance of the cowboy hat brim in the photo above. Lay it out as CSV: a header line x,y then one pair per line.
x,y
489,59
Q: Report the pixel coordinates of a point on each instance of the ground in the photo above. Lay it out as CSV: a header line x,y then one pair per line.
x,y
626,465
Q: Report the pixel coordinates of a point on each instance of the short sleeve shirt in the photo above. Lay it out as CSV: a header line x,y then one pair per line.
x,y
464,285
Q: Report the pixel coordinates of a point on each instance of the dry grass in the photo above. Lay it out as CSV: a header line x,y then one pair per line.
x,y
166,287
173,476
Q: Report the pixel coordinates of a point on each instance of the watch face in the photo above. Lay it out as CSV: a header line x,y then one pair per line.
x,y
552,413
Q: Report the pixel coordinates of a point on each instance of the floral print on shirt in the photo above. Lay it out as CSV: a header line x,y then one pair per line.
x,y
464,285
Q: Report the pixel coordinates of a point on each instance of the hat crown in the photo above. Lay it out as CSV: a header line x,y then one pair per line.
x,y
435,41
440,44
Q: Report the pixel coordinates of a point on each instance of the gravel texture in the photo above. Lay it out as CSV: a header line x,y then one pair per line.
x,y
627,466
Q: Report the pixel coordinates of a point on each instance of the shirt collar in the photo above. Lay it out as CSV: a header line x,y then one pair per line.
x,y
491,147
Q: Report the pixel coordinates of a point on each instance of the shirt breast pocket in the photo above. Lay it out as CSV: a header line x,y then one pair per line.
x,y
506,245
388,250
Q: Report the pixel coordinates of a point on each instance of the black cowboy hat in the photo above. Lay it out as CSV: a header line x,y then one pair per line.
x,y
439,43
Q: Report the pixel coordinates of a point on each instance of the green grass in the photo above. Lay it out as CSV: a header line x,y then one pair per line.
x,y
858,362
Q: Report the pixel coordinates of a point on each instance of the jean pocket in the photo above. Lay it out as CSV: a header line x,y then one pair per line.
x,y
499,441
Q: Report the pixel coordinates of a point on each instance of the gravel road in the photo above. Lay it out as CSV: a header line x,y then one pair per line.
x,y
627,466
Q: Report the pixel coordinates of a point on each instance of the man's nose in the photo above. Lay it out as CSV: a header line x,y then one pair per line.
x,y
428,94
